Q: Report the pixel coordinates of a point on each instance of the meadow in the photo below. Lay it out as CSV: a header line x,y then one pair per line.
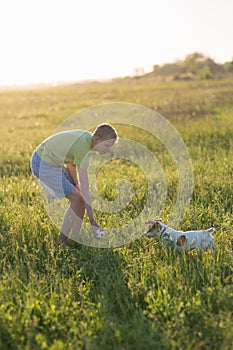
x,y
140,295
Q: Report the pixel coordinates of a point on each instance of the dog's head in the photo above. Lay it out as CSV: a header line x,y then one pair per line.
x,y
155,228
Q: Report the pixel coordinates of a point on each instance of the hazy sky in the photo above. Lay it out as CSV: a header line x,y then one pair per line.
x,y
53,40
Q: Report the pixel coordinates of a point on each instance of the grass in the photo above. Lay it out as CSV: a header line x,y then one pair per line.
x,y
140,295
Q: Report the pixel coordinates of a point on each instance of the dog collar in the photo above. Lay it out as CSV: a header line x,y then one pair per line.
x,y
162,232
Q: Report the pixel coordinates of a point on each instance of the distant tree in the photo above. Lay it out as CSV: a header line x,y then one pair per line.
x,y
228,67
195,57
205,73
195,65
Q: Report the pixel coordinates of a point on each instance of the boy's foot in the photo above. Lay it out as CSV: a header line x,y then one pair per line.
x,y
62,240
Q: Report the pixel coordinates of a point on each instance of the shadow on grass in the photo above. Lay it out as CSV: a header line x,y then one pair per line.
x,y
124,324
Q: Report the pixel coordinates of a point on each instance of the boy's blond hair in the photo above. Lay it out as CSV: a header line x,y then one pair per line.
x,y
106,132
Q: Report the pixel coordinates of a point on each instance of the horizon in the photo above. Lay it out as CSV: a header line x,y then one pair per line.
x,y
48,42
90,80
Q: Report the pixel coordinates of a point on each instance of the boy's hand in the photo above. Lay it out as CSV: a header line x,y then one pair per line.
x,y
95,227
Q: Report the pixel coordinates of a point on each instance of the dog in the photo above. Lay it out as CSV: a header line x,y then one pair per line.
x,y
180,240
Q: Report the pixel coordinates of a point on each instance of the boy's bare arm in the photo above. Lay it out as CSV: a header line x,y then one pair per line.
x,y
73,173
84,184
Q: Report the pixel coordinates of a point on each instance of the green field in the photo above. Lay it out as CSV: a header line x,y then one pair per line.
x,y
140,295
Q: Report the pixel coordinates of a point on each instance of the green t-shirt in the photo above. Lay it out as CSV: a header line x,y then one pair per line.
x,y
72,146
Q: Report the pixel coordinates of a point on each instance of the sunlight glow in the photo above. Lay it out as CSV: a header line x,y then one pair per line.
x,y
50,41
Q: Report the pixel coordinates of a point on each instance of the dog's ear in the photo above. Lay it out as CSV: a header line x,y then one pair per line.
x,y
160,220
181,241
151,227
157,225
150,222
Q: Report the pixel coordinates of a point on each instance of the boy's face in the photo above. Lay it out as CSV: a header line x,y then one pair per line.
x,y
103,146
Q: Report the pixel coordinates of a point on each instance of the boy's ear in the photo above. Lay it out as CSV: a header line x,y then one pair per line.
x,y
96,139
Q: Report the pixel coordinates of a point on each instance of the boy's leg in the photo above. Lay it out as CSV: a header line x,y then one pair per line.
x,y
73,216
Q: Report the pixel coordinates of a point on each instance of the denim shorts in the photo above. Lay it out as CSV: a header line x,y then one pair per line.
x,y
56,180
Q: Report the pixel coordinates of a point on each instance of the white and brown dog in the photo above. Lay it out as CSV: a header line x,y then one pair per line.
x,y
181,240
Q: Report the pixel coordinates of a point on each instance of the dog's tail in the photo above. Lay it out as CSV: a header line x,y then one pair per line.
x,y
210,230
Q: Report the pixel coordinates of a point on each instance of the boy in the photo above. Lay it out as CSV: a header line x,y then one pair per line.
x,y
54,164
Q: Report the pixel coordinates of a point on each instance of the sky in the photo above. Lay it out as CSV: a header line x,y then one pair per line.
x,y
69,40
